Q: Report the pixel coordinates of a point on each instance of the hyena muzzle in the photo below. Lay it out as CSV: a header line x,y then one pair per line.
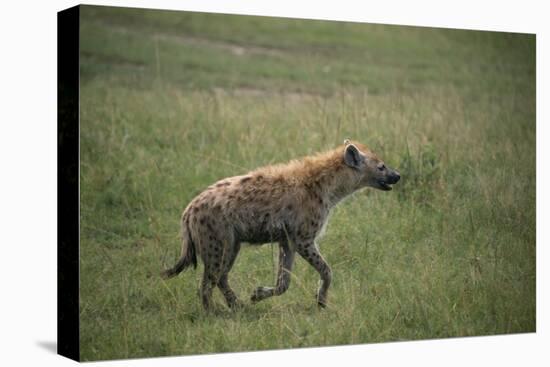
x,y
287,203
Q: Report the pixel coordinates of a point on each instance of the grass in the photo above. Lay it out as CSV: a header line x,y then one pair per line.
x,y
173,101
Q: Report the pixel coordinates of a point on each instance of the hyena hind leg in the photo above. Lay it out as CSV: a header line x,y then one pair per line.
x,y
229,295
207,285
227,260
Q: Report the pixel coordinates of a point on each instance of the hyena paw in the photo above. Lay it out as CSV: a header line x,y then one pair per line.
x,y
261,293
321,301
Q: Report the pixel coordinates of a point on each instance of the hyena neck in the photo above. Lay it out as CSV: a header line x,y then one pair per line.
x,y
337,189
331,178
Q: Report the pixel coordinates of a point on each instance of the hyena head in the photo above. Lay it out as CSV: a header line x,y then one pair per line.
x,y
370,170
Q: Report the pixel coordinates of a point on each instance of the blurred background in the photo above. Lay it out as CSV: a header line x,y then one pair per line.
x,y
173,101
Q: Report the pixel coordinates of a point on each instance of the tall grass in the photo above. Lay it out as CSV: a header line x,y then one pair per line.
x,y
171,102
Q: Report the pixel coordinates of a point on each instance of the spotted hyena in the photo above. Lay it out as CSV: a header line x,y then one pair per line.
x,y
285,203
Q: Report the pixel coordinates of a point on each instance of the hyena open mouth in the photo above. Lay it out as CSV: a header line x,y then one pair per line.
x,y
384,185
391,177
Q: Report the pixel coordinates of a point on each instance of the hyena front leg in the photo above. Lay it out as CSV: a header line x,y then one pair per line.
x,y
286,260
311,254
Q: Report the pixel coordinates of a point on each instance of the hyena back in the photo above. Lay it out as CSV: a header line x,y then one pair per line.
x,y
287,203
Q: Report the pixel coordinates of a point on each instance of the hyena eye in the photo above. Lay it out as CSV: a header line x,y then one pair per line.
x,y
381,167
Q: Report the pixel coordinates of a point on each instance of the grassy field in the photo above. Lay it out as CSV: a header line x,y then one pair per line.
x,y
172,101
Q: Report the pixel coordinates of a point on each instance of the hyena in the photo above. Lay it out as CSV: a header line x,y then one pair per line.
x,y
285,203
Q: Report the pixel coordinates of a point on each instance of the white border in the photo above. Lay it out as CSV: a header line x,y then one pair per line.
x,y
28,181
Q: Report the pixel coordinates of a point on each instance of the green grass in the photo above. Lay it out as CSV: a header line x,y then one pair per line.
x,y
172,101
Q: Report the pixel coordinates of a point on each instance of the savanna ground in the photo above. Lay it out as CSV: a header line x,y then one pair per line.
x,y
173,101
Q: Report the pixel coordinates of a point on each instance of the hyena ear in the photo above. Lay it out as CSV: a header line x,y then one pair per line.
x,y
352,157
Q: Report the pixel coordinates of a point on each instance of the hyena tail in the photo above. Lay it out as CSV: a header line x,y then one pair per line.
x,y
188,252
